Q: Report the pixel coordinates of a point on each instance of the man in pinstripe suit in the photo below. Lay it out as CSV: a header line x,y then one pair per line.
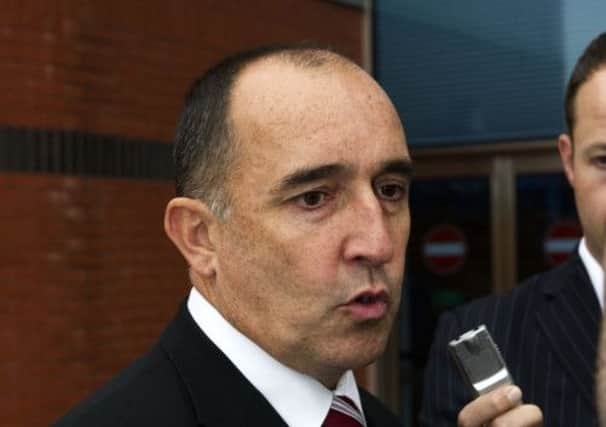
x,y
547,328
601,368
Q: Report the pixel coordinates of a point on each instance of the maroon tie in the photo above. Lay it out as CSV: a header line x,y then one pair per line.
x,y
343,413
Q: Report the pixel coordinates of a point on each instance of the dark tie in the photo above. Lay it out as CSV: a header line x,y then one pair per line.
x,y
343,413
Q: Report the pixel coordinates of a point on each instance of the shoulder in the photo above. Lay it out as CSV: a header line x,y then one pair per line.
x,y
376,413
147,393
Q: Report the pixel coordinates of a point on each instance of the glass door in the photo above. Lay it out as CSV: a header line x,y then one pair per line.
x,y
483,218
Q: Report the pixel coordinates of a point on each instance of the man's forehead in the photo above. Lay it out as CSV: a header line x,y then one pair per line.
x,y
292,116
274,92
275,84
398,165
590,109
288,67
591,98
364,161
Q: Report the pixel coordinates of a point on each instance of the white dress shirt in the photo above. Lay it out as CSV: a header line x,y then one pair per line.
x,y
301,400
594,269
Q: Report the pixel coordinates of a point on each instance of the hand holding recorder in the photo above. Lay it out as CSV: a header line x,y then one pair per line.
x,y
499,401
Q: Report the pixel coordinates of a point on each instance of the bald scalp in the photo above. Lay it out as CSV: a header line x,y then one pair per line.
x,y
205,144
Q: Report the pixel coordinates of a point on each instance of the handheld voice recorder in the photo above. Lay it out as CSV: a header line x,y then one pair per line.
x,y
479,360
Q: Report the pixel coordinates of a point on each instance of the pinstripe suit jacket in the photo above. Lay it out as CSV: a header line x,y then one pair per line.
x,y
547,330
185,380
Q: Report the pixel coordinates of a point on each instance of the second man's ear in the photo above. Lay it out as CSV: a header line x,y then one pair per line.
x,y
566,148
188,223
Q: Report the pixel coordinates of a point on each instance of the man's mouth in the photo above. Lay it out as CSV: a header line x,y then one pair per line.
x,y
368,305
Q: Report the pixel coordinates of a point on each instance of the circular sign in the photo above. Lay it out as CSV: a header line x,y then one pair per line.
x,y
561,239
444,249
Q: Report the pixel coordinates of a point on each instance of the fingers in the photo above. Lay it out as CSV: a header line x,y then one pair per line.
x,y
523,415
488,406
501,407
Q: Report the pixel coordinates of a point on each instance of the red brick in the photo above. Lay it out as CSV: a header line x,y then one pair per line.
x,y
87,277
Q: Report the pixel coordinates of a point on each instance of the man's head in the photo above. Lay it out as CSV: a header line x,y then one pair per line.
x,y
204,143
307,257
583,149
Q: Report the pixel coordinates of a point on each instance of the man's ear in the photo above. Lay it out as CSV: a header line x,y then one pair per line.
x,y
567,155
188,223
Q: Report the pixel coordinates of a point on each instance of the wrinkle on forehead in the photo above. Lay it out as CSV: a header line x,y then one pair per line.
x,y
284,114
271,93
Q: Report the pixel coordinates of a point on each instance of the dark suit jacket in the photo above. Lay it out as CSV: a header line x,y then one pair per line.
x,y
185,380
547,330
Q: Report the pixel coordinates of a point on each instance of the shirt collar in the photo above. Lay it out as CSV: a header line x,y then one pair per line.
x,y
267,374
596,274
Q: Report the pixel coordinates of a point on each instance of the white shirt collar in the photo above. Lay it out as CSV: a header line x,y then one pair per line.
x,y
267,374
596,274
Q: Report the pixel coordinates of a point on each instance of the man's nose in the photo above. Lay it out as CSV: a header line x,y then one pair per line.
x,y
370,240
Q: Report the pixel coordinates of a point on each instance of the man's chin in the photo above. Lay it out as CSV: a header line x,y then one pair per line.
x,y
364,351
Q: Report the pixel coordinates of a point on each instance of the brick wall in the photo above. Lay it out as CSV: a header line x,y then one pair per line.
x,y
87,281
87,277
122,67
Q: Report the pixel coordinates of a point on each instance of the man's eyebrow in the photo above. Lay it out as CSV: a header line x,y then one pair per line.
x,y
309,174
400,166
593,147
597,145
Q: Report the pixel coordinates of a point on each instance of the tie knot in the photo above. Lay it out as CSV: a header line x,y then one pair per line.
x,y
343,413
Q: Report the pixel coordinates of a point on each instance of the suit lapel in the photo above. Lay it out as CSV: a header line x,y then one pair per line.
x,y
220,394
569,316
376,413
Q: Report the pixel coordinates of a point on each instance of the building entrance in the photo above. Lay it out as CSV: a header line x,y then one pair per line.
x,y
483,218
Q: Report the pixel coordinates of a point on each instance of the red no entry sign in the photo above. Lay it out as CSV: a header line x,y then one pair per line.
x,y
561,239
444,249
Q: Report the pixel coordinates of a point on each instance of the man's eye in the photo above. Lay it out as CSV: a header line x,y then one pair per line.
x,y
600,160
391,191
312,199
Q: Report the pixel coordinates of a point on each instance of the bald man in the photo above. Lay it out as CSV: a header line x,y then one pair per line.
x,y
292,214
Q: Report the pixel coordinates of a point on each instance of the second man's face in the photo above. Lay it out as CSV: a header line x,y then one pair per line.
x,y
311,258
586,163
